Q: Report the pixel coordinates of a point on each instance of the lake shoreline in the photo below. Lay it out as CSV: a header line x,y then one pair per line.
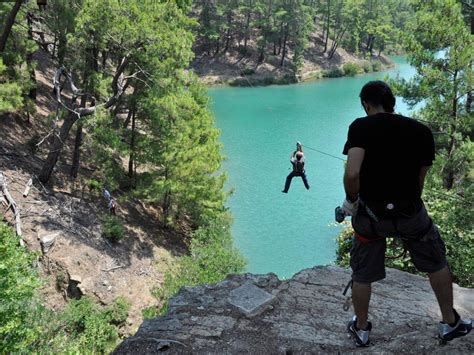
x,y
221,73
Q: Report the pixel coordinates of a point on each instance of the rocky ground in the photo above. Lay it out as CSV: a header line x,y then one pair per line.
x,y
259,314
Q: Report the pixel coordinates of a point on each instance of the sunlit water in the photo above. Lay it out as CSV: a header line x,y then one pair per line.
x,y
277,232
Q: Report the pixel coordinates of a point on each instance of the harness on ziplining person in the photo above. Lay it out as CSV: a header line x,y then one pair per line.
x,y
298,161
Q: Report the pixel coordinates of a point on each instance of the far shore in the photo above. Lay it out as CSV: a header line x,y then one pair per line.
x,y
234,70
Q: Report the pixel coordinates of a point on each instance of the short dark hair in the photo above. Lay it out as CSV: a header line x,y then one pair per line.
x,y
377,92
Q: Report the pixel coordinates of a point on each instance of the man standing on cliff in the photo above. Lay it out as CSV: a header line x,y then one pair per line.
x,y
388,156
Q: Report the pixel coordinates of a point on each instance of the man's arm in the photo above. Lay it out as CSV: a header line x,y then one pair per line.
x,y
355,157
422,176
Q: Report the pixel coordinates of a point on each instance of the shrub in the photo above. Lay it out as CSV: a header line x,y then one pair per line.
x,y
333,73
32,143
117,312
18,305
376,65
351,69
366,67
247,71
88,327
95,187
455,222
212,257
112,228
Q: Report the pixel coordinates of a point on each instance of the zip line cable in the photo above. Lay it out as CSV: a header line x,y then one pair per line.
x,y
320,151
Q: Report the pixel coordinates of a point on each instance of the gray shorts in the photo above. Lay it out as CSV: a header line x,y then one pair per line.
x,y
419,235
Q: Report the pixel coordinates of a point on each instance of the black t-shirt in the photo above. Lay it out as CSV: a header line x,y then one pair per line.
x,y
396,147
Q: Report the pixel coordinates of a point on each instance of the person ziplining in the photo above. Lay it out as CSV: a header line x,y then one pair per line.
x,y
297,161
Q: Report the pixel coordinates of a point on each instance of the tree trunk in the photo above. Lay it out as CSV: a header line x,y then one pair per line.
x,y
247,29
335,44
131,161
283,54
10,20
217,47
62,44
469,95
449,175
57,146
327,26
76,157
29,60
104,59
227,35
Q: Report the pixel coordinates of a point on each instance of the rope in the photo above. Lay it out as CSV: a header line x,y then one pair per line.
x,y
320,151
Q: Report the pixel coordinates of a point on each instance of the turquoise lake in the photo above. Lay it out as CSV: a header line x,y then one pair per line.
x,y
277,232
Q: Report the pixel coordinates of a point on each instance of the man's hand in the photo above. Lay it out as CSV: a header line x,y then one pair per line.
x,y
350,208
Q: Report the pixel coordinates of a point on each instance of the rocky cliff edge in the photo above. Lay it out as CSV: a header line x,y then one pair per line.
x,y
260,314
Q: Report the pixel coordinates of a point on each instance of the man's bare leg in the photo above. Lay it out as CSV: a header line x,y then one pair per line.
x,y
442,284
360,300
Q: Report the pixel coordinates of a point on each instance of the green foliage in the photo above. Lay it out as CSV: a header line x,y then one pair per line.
x,y
32,143
367,66
117,312
376,65
112,228
10,92
281,28
455,220
91,328
16,64
247,71
335,72
26,326
18,282
94,186
212,257
441,49
351,69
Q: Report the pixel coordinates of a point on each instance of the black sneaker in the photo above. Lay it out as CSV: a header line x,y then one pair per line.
x,y
360,336
461,327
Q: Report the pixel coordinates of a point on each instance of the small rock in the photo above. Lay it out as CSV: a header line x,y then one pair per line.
x,y
47,242
105,283
76,278
109,288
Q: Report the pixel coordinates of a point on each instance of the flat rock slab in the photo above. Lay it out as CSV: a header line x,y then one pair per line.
x,y
250,299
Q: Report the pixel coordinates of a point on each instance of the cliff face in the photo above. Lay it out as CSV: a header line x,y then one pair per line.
x,y
259,314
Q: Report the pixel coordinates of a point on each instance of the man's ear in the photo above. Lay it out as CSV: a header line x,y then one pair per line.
x,y
366,106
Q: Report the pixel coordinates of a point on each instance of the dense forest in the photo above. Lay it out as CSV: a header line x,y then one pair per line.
x,y
126,99
280,27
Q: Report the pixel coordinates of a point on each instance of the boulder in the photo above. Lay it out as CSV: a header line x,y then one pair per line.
x,y
47,241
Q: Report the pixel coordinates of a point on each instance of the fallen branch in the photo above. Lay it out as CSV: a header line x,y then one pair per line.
x,y
27,187
113,268
13,206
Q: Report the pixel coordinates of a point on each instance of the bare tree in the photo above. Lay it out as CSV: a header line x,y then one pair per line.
x,y
75,113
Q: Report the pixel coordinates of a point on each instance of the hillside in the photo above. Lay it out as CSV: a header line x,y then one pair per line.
x,y
81,261
244,70
260,314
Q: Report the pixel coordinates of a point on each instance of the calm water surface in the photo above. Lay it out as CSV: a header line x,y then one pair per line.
x,y
277,232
